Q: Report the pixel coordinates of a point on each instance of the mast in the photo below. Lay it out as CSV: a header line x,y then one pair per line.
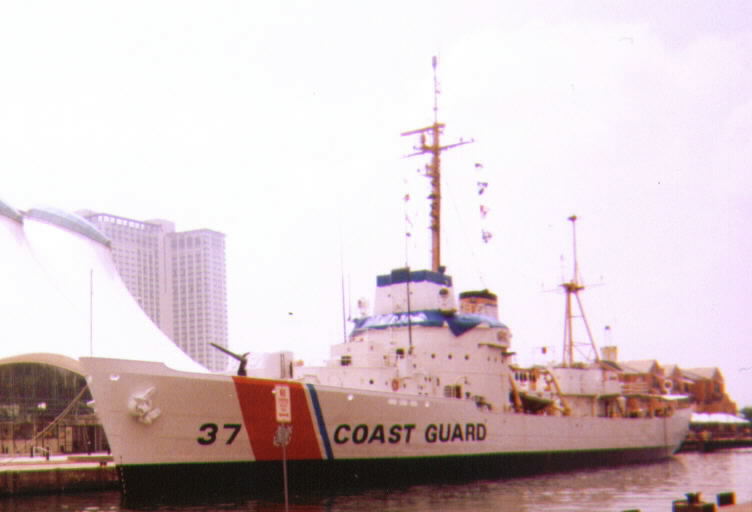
x,y
433,169
572,289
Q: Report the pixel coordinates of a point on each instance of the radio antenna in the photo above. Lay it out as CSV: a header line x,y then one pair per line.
x,y
572,289
433,169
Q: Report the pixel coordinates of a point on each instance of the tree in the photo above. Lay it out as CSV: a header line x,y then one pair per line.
x,y
747,413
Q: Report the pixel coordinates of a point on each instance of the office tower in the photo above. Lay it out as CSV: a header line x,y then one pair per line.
x,y
178,279
196,266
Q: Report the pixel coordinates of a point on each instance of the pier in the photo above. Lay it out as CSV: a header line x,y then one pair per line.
x,y
57,474
711,445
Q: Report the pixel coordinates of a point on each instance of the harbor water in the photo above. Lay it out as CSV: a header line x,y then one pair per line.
x,y
649,488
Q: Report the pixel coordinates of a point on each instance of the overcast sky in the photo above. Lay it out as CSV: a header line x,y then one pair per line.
x,y
277,123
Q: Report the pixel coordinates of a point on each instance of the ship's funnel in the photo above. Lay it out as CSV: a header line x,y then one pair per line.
x,y
481,302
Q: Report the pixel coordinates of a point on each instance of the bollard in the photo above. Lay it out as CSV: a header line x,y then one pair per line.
x,y
693,503
726,498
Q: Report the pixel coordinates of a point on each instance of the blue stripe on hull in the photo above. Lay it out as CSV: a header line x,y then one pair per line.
x,y
320,421
232,481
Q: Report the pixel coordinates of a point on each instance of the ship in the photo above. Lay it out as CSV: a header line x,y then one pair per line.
x,y
424,388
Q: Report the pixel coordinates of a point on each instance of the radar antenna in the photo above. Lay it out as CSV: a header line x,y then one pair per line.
x,y
433,169
572,289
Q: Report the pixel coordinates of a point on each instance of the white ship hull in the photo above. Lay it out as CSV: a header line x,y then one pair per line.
x,y
184,435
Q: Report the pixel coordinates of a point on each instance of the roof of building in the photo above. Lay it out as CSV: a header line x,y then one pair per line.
x,y
690,376
640,366
610,365
7,210
69,221
705,373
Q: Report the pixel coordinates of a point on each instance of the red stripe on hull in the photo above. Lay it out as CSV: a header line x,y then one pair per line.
x,y
257,405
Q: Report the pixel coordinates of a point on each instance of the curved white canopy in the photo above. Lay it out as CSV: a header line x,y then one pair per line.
x,y
62,298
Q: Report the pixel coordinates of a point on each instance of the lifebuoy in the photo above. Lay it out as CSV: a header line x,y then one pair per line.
x,y
395,385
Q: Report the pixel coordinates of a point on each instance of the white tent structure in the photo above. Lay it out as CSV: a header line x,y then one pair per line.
x,y
62,298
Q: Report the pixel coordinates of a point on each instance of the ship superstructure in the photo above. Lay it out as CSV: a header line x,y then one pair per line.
x,y
432,347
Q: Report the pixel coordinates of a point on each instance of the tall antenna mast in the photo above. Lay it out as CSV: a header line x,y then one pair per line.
x,y
433,169
572,289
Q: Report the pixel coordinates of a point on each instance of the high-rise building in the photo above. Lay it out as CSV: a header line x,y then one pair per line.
x,y
178,279
196,269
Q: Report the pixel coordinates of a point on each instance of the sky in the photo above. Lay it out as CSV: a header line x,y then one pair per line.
x,y
278,124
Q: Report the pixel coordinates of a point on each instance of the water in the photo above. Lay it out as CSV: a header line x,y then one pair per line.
x,y
650,488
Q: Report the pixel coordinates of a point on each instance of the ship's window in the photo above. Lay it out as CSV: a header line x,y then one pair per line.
x,y
370,381
345,360
467,357
400,353
433,356
450,356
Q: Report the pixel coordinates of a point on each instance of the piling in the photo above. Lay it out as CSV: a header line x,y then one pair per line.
x,y
726,498
693,503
